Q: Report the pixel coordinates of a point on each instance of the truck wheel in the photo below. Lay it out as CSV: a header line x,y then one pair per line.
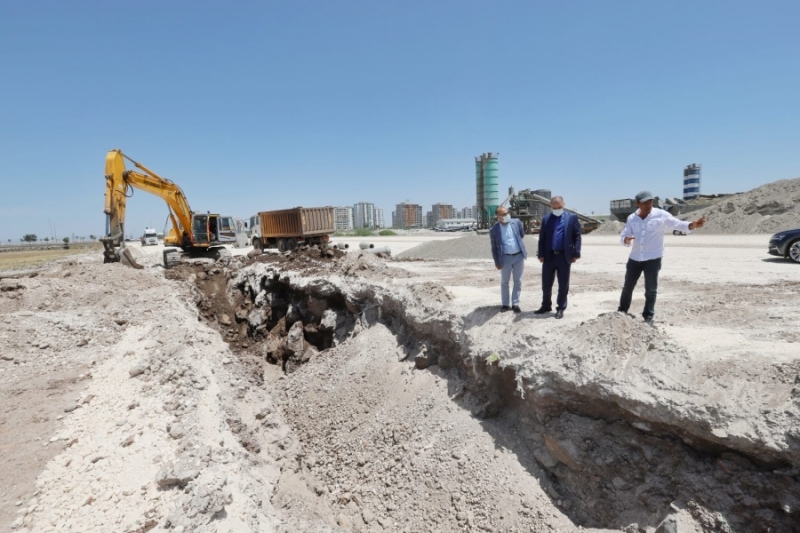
x,y
282,245
291,244
257,245
794,251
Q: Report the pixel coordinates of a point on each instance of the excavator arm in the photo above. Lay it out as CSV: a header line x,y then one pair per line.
x,y
118,182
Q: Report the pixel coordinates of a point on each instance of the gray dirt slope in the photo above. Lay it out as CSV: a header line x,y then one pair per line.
x,y
767,209
471,246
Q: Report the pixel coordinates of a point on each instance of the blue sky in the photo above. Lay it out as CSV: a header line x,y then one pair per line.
x,y
263,105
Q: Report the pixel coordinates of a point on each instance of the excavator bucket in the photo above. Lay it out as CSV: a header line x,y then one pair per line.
x,y
127,258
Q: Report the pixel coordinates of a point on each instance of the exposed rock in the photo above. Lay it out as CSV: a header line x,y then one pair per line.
x,y
295,339
563,452
344,522
179,474
176,431
137,370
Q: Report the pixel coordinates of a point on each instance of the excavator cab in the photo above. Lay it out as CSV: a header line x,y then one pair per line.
x,y
200,230
210,230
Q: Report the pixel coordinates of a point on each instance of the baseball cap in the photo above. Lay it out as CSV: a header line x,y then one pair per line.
x,y
644,196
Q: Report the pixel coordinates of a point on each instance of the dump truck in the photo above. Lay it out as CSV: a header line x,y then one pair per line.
x,y
287,228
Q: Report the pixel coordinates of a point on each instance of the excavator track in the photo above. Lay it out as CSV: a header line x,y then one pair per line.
x,y
175,256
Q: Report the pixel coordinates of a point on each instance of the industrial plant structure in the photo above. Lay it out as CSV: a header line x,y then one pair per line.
x,y
692,199
691,182
531,206
487,189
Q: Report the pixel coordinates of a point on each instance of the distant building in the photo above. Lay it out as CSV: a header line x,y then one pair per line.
x,y
427,220
377,216
343,218
364,215
455,223
439,212
408,215
469,212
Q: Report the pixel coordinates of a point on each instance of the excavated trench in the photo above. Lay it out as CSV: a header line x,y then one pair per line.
x,y
592,458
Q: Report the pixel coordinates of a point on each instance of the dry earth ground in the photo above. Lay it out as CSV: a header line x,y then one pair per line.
x,y
166,426
20,257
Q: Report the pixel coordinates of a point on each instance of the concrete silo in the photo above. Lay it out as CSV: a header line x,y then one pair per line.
x,y
540,210
691,182
487,188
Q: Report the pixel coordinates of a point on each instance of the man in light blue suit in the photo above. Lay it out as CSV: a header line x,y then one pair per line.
x,y
509,254
559,247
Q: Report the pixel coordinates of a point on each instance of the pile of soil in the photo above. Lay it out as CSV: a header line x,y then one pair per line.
x,y
470,246
767,209
610,227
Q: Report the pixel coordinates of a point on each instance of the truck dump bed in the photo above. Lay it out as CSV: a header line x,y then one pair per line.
x,y
297,222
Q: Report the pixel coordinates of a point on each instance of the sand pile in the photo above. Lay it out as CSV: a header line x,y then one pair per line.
x,y
610,227
767,209
472,246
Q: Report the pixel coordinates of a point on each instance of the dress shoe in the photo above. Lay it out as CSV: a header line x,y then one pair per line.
x,y
504,309
542,310
648,321
559,314
516,309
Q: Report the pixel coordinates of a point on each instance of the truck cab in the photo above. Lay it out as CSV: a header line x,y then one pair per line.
x,y
254,231
150,237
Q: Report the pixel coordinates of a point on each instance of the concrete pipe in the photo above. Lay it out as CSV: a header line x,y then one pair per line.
x,y
366,245
382,250
340,246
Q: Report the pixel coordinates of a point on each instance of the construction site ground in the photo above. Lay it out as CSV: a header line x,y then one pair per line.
x,y
349,392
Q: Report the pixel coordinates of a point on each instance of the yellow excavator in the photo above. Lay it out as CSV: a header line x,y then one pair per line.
x,y
198,235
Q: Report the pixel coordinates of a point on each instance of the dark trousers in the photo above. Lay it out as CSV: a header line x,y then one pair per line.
x,y
632,273
556,265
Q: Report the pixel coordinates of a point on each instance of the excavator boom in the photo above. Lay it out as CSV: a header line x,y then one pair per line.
x,y
118,182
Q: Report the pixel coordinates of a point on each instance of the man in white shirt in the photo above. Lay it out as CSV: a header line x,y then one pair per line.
x,y
644,233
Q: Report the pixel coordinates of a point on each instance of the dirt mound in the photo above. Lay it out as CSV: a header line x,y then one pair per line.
x,y
767,209
147,421
610,227
471,246
312,260
390,449
369,265
309,259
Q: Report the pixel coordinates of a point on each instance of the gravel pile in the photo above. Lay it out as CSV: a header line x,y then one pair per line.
x,y
472,246
610,227
391,452
766,209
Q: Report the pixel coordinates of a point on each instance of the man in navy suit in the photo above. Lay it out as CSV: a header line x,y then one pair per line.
x,y
509,254
559,247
